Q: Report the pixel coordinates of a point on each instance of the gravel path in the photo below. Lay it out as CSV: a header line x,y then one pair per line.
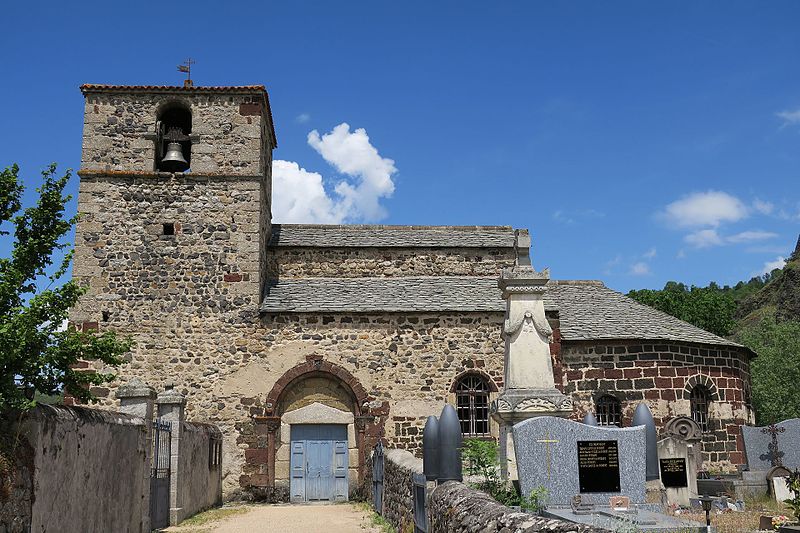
x,y
328,518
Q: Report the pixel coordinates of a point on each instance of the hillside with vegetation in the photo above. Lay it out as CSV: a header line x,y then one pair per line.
x,y
762,314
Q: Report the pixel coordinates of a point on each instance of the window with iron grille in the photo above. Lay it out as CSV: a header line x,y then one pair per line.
x,y
472,405
609,411
699,399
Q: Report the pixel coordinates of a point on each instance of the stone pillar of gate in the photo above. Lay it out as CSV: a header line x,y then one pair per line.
x,y
171,404
136,399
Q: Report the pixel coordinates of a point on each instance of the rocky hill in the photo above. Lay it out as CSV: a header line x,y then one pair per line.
x,y
781,295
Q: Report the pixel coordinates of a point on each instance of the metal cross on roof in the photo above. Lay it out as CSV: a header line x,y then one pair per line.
x,y
775,455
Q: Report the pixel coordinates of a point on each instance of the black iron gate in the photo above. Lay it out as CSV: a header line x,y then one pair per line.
x,y
420,512
159,474
377,478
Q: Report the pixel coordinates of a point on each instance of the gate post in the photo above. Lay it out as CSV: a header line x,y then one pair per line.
x,y
171,404
136,398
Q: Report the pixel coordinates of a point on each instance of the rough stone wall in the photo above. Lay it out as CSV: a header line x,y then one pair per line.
x,y
456,508
407,363
385,262
16,477
662,374
231,133
398,488
81,455
200,482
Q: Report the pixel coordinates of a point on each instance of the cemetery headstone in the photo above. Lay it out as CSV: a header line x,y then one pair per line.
x,y
780,489
771,446
570,458
678,470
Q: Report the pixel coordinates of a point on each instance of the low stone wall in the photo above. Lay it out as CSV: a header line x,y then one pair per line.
x,y
398,502
200,473
456,508
77,469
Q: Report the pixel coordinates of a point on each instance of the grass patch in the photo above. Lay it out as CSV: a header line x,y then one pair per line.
x,y
207,517
376,519
741,522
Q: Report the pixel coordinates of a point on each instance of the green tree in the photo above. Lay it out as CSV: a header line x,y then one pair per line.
x,y
709,308
775,372
36,353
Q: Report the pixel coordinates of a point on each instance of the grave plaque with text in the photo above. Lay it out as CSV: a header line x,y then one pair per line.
x,y
598,466
673,472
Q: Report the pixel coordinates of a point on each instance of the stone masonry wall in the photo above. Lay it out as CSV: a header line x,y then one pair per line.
x,y
398,488
386,262
454,507
662,374
234,133
407,364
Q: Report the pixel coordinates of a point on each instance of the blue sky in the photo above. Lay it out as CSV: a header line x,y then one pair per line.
x,y
639,142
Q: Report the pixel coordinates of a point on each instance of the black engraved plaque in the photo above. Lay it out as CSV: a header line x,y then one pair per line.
x,y
673,472
598,466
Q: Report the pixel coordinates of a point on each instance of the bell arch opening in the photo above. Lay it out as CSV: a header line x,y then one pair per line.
x,y
173,142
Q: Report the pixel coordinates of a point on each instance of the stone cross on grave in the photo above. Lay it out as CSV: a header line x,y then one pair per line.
x,y
548,441
776,456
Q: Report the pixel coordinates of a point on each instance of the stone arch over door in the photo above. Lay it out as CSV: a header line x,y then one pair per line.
x,y
318,391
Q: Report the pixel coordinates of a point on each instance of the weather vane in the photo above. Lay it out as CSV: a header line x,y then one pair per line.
x,y
186,67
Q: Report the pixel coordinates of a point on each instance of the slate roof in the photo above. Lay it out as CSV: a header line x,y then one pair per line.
x,y
588,310
368,236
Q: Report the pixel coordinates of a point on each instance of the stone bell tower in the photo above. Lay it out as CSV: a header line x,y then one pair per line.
x,y
175,199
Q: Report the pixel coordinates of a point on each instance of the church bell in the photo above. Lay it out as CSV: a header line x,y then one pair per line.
x,y
173,160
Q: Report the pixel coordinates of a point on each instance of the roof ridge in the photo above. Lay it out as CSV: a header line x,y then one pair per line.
x,y
577,282
391,227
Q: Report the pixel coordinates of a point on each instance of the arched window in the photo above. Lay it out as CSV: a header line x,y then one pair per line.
x,y
699,399
609,411
472,405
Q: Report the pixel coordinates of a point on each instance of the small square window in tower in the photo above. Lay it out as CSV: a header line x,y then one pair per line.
x,y
173,143
609,411
472,405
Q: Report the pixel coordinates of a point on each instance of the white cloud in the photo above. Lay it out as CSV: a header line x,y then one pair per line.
x,y
353,155
710,237
650,254
573,216
704,238
640,269
769,266
789,117
763,207
705,209
299,195
302,118
751,236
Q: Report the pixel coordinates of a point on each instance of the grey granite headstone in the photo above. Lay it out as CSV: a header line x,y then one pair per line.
x,y
547,452
756,445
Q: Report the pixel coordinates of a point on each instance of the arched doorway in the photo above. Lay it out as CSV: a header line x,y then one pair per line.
x,y
317,432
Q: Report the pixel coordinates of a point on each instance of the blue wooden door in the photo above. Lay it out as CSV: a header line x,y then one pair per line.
x,y
319,462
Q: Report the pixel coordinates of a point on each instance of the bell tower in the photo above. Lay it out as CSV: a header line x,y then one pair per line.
x,y
175,201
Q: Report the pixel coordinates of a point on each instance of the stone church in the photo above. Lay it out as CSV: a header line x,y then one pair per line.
x,y
307,344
